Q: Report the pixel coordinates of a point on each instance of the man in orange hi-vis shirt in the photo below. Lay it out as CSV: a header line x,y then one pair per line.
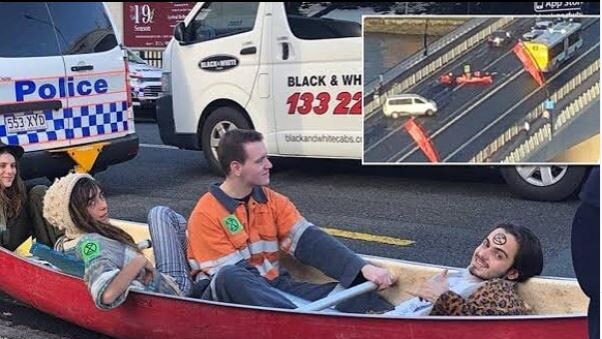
x,y
237,228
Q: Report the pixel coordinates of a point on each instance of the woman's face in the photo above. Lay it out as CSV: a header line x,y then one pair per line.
x,y
97,207
8,169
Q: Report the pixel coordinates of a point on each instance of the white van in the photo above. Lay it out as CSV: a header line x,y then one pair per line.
x,y
408,104
63,87
290,71
269,66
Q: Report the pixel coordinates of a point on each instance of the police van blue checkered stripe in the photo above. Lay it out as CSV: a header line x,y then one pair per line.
x,y
87,121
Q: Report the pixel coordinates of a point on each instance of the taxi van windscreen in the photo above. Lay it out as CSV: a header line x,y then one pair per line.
x,y
79,28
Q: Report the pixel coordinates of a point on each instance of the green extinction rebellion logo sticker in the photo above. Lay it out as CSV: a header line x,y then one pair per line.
x,y
232,224
90,249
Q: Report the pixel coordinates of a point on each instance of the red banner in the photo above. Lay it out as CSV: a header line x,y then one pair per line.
x,y
417,132
151,24
528,62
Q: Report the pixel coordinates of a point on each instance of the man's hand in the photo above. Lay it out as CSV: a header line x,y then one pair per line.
x,y
432,288
380,276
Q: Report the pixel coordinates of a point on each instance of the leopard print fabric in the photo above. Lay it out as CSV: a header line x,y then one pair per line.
x,y
494,297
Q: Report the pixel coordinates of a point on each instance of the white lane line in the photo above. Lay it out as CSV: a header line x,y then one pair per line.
x,y
515,106
158,146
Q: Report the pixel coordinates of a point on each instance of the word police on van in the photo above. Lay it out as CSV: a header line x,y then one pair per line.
x,y
63,88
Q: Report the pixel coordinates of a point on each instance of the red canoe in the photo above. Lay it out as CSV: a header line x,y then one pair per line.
x,y
146,315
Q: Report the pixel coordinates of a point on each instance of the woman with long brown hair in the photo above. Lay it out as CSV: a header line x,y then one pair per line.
x,y
20,211
113,262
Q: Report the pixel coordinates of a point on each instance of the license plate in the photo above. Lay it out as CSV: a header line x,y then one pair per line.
x,y
25,122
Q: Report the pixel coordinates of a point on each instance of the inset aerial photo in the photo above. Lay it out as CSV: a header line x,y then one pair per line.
x,y
481,89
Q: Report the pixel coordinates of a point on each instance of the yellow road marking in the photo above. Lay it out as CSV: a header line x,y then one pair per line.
x,y
367,237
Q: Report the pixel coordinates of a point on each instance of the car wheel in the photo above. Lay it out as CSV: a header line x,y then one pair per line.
x,y
429,112
545,183
220,121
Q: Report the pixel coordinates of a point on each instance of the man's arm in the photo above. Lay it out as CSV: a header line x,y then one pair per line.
x,y
312,246
494,297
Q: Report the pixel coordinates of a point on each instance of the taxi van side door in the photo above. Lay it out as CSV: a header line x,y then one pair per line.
x,y
317,71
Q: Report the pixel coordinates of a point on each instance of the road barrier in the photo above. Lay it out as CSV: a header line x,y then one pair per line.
x,y
485,154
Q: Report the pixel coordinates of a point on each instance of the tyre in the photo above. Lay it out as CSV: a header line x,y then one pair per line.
x,y
429,113
220,121
545,183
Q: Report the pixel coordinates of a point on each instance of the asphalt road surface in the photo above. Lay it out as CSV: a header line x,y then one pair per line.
x,y
444,212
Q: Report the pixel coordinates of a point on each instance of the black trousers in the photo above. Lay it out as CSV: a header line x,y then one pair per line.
x,y
585,248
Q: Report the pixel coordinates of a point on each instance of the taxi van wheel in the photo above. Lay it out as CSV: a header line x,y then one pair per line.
x,y
220,121
545,183
430,112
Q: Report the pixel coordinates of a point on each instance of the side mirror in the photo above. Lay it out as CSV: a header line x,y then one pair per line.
x,y
180,32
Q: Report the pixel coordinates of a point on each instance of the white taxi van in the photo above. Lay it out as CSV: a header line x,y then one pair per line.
x,y
276,67
408,104
63,88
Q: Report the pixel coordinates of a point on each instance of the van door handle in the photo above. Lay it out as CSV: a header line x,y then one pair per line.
x,y
82,68
285,51
248,50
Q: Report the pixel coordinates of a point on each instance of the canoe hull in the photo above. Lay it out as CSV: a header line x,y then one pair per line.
x,y
154,316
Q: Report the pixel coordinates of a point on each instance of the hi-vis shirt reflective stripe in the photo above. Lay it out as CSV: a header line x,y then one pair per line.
x,y
262,248
269,222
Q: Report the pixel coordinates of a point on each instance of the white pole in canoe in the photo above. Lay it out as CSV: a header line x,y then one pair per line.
x,y
331,300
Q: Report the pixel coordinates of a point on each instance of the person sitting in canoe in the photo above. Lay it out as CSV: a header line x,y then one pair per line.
x,y
20,211
113,262
508,255
237,228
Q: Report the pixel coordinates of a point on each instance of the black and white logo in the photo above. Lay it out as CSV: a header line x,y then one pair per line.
x,y
218,63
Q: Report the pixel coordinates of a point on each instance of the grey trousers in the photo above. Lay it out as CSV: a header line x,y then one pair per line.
x,y
242,284
30,222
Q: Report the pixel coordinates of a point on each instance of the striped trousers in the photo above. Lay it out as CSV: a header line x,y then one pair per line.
x,y
168,235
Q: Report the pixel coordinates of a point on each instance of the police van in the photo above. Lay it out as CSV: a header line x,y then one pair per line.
x,y
292,71
64,95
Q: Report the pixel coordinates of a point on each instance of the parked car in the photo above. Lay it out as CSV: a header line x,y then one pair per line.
x,y
145,84
408,104
499,38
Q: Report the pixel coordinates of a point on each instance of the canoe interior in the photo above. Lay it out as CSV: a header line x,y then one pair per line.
x,y
544,296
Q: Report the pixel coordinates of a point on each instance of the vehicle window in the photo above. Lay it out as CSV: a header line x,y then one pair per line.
x,y
134,58
401,102
220,19
26,31
556,49
82,27
314,20
573,38
419,101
